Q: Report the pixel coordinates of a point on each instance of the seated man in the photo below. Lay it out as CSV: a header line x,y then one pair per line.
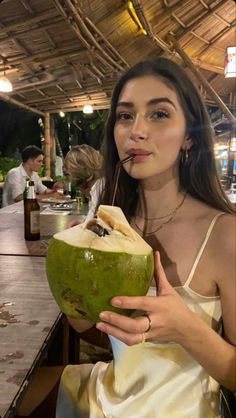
x,y
14,185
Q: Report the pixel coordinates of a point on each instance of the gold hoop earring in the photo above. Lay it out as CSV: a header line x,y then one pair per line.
x,y
186,156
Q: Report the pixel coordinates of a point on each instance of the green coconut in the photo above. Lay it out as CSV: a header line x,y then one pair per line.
x,y
85,270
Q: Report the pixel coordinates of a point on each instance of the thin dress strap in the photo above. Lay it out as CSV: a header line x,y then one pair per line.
x,y
187,283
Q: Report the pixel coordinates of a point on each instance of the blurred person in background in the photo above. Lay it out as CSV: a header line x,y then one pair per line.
x,y
17,154
59,166
83,165
14,184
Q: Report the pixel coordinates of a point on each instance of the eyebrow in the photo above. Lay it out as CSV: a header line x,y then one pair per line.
x,y
149,103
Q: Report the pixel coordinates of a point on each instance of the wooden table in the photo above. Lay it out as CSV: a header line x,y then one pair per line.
x,y
28,314
28,318
12,240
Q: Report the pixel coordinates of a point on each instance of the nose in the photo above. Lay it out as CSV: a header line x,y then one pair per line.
x,y
139,129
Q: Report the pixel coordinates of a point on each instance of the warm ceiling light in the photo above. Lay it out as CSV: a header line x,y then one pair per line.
x,y
88,109
62,114
232,146
135,17
230,62
5,85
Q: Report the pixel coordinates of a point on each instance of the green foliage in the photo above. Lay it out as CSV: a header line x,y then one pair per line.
x,y
76,128
7,164
59,179
41,172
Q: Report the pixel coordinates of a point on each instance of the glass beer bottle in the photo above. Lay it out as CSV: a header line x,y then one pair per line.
x,y
32,215
26,191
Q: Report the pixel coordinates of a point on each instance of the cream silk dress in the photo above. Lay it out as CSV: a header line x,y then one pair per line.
x,y
151,380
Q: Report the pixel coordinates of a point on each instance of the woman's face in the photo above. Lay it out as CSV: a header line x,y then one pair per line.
x,y
85,187
150,124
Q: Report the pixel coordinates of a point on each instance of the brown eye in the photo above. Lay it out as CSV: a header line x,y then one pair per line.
x,y
160,114
123,116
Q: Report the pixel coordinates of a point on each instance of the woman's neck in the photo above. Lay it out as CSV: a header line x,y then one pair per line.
x,y
158,199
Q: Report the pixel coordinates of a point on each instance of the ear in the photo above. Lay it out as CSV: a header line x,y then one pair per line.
x,y
187,144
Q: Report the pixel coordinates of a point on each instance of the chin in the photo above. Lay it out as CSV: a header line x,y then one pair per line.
x,y
139,173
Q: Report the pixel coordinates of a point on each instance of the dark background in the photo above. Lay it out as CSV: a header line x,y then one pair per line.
x,y
19,128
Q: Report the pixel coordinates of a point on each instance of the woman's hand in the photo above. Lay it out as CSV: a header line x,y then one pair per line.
x,y
72,223
170,317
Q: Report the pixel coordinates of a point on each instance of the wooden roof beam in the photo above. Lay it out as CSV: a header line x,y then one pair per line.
x,y
49,55
27,7
73,17
36,19
8,99
78,107
137,4
59,53
166,47
216,38
47,26
199,20
203,80
51,41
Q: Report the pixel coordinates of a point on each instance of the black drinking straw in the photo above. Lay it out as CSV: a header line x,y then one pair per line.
x,y
117,175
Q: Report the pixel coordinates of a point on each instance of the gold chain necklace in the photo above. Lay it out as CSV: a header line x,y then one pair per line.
x,y
171,214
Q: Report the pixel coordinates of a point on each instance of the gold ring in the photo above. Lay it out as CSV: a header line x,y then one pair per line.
x,y
143,338
149,322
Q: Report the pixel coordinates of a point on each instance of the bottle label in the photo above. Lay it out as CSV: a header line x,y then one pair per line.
x,y
35,222
31,193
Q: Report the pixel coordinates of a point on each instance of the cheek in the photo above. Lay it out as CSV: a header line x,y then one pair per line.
x,y
120,134
171,138
118,140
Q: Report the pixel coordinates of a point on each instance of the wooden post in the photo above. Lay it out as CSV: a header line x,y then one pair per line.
x,y
53,147
47,145
201,77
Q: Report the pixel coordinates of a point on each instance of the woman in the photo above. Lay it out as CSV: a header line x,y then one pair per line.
x,y
171,194
82,165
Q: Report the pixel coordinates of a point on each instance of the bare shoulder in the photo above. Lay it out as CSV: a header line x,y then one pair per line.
x,y
222,241
224,256
224,234
222,251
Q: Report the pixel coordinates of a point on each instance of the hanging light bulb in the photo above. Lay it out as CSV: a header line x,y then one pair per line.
x,y
88,109
5,84
62,114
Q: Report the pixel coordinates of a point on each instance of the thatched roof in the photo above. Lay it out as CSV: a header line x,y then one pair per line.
x,y
62,54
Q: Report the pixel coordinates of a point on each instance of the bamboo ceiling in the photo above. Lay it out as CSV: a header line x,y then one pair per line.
x,y
62,54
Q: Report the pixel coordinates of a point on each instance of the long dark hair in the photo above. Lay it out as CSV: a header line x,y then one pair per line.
x,y
198,175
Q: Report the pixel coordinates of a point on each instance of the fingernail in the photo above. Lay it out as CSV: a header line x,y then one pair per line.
x,y
116,302
103,316
100,326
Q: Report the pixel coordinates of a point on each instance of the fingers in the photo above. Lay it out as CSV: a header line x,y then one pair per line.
x,y
120,334
73,223
129,330
137,325
140,303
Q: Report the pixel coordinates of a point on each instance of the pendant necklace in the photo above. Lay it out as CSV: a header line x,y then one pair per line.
x,y
171,214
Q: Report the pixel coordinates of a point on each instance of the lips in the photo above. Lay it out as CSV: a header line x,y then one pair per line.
x,y
137,151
